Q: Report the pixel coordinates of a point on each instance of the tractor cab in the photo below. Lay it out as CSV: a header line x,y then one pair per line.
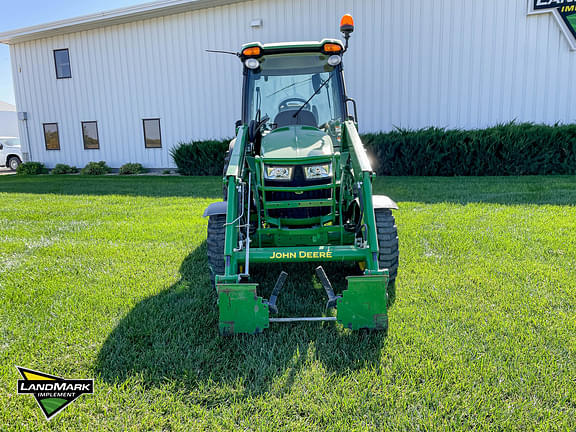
x,y
298,86
298,188
294,104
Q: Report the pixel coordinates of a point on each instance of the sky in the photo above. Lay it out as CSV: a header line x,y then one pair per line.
x,y
24,13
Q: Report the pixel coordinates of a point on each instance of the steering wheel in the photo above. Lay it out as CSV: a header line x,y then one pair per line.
x,y
287,104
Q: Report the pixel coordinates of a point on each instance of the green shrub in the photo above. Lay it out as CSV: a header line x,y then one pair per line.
x,y
63,169
508,149
131,168
166,172
200,157
31,168
95,168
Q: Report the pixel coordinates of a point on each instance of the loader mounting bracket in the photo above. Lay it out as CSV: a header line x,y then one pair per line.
x,y
364,304
241,310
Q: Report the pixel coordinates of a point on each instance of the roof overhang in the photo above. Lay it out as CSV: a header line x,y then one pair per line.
x,y
104,19
291,47
304,45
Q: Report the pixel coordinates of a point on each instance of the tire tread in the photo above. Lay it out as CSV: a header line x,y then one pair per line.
x,y
388,257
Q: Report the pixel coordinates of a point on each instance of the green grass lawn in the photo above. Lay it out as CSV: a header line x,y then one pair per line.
x,y
107,278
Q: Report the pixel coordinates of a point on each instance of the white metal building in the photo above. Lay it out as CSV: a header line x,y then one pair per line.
x,y
412,64
8,120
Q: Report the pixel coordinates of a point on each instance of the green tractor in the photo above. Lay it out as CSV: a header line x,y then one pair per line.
x,y
298,188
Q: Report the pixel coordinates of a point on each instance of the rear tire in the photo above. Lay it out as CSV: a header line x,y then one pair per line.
x,y
388,257
215,246
13,163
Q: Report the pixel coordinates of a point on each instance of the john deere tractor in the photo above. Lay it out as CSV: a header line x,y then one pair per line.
x,y
298,188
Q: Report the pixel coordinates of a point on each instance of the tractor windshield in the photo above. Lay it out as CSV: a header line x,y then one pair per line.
x,y
284,83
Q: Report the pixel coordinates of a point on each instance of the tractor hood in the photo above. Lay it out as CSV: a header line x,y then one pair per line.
x,y
292,142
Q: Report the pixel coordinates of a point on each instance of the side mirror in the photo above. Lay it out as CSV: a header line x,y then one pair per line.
x,y
237,126
1,146
353,102
316,82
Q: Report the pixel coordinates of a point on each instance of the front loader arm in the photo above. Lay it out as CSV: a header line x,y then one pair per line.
x,y
236,165
240,308
360,162
362,171
233,179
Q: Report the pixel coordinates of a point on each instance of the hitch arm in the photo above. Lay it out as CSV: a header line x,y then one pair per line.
x,y
332,298
276,291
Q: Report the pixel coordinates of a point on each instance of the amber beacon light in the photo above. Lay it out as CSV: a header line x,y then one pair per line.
x,y
347,27
347,24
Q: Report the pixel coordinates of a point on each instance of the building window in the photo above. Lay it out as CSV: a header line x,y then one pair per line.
x,y
62,62
51,137
90,135
152,135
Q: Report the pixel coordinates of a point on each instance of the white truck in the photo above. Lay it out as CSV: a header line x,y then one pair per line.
x,y
10,152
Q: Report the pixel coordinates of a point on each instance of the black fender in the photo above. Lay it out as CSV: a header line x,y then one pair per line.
x,y
217,208
383,202
380,202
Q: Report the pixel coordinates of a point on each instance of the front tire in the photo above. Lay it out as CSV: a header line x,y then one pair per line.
x,y
388,257
14,162
215,246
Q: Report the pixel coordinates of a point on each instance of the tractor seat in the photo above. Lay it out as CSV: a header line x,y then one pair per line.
x,y
304,117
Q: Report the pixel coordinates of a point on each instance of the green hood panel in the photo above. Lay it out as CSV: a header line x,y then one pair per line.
x,y
292,142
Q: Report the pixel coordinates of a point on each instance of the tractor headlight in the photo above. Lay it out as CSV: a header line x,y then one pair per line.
x,y
280,173
318,171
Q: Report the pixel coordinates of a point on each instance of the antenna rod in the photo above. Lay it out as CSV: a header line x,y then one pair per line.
x,y
223,52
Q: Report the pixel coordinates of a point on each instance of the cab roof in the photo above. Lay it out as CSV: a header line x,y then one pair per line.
x,y
292,47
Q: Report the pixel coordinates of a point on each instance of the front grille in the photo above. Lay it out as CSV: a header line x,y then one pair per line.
x,y
299,180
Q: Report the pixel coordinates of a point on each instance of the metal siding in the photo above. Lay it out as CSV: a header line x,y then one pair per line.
x,y
412,64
